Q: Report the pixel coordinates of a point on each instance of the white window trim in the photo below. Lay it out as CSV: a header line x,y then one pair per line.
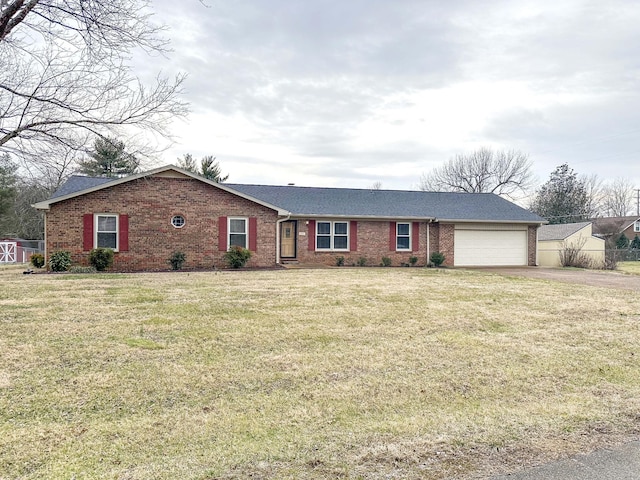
x,y
246,231
95,229
636,226
332,236
184,221
408,249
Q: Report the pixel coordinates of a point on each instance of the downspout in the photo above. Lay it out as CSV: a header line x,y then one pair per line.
x,y
537,228
278,223
45,238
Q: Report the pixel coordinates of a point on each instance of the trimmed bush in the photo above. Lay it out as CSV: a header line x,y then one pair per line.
x,y
237,257
177,260
386,262
413,261
60,261
340,261
362,261
437,259
101,258
37,260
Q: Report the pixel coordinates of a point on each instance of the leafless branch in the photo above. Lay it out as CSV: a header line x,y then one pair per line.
x,y
482,171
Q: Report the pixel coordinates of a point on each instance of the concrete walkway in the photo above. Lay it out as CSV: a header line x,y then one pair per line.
x,y
620,463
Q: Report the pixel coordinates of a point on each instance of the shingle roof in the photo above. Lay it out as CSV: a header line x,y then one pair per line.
x,y
560,231
354,203
612,225
349,202
77,183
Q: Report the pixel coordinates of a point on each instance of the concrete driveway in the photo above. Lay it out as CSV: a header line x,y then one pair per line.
x,y
594,278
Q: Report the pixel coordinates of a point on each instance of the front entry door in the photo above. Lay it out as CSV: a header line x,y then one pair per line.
x,y
288,239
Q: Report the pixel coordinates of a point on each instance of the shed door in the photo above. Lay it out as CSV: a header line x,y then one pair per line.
x,y
8,252
484,247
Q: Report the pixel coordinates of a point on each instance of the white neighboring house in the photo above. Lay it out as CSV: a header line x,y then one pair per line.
x,y
552,239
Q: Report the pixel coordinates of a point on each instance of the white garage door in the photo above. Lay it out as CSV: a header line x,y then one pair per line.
x,y
490,247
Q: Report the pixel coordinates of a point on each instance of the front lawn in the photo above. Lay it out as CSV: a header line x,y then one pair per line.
x,y
336,373
629,267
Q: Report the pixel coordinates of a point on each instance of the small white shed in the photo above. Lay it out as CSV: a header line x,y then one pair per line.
x,y
552,239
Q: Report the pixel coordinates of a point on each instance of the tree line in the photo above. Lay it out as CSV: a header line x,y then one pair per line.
x,y
565,197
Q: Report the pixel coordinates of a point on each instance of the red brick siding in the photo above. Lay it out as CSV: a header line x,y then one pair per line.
x,y
446,235
150,203
629,232
532,245
372,244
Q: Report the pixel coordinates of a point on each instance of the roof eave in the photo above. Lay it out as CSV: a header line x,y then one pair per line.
x,y
46,205
363,217
471,220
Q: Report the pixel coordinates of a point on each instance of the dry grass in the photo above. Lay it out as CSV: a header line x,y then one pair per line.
x,y
629,267
334,373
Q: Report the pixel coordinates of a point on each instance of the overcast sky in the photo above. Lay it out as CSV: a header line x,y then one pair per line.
x,y
351,92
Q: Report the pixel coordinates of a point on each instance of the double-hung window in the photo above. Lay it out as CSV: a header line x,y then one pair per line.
x,y
106,231
332,236
636,226
403,236
238,232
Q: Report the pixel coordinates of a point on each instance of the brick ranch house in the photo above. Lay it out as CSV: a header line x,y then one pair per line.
x,y
148,216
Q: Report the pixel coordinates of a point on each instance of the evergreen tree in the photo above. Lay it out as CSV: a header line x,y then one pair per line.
x,y
187,162
635,243
563,198
623,242
109,159
208,168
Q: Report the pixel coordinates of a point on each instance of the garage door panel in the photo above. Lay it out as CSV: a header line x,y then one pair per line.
x,y
490,248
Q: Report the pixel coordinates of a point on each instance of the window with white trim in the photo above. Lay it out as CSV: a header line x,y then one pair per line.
x,y
332,236
238,232
106,231
636,226
177,221
403,236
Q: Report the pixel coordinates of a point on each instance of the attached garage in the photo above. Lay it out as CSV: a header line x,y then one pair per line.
x,y
490,245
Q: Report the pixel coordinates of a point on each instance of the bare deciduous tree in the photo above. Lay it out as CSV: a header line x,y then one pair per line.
x,y
66,75
594,191
482,171
618,198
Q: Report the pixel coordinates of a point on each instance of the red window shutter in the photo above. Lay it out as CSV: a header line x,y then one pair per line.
x,y
222,234
392,236
415,237
312,235
253,234
123,221
353,236
87,232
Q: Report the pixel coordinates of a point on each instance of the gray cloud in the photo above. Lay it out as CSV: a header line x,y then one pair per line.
x,y
310,76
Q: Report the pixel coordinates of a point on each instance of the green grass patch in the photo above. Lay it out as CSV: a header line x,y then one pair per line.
x,y
632,268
